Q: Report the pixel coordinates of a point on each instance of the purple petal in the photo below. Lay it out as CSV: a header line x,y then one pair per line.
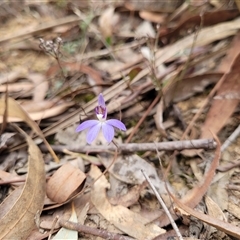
x,y
117,124
86,124
101,101
108,131
93,132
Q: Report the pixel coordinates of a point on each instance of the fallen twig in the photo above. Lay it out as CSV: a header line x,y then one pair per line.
x,y
164,207
231,138
135,147
93,231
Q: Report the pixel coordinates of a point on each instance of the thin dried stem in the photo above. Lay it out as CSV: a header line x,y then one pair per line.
x,y
164,207
135,147
93,231
231,138
55,220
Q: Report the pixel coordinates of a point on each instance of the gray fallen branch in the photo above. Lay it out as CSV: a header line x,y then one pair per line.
x,y
135,147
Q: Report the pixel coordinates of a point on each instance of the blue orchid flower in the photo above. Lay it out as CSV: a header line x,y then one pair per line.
x,y
95,126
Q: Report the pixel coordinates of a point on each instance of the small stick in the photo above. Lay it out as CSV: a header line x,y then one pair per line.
x,y
164,207
55,220
93,231
231,138
134,147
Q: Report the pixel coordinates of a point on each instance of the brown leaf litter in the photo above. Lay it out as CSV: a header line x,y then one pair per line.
x,y
169,71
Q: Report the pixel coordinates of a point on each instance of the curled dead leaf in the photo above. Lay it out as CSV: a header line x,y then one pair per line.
x,y
19,210
64,183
